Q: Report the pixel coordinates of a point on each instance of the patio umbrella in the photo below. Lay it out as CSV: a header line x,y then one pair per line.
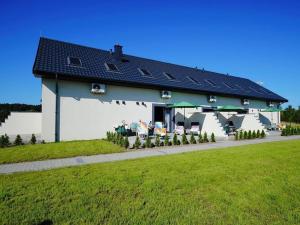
x,y
271,110
183,105
229,108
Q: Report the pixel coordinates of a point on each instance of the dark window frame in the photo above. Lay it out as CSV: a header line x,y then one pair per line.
x,y
108,68
147,74
169,76
70,63
211,83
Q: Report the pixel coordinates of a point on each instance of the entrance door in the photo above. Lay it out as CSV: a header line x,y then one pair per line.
x,y
163,114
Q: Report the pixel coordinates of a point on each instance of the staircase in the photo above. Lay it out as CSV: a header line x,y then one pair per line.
x,y
248,122
211,124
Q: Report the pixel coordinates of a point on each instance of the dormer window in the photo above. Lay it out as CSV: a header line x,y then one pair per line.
x,y
111,67
74,61
145,72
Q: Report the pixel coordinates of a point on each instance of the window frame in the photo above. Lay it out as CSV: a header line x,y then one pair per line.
x,y
108,68
141,70
72,64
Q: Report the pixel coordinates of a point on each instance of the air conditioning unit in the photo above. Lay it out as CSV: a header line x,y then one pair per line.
x,y
212,98
166,94
245,101
270,104
98,88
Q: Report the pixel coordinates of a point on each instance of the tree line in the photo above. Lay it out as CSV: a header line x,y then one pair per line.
x,y
6,109
291,114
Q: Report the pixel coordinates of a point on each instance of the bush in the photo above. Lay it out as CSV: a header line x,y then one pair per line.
x,y
126,142
253,134
263,134
241,135
245,135
43,142
192,139
166,140
184,140
236,136
175,139
18,140
200,138
178,142
205,138
33,139
148,142
121,141
152,145
249,136
170,143
283,132
212,137
157,141
258,134
2,141
137,142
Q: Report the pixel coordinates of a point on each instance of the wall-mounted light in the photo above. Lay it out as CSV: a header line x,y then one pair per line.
x,y
118,102
137,103
123,102
143,103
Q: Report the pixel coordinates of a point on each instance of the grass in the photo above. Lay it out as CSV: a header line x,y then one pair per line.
x,y
254,184
56,150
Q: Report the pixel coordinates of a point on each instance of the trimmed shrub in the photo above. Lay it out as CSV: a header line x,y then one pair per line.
x,y
175,139
33,139
184,140
263,134
205,138
137,142
126,142
212,137
170,143
157,141
258,134
148,142
178,142
18,140
245,135
200,138
43,142
236,136
249,136
121,142
2,141
241,135
253,134
166,140
283,132
192,139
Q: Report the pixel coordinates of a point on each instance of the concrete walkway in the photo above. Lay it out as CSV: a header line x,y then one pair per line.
x,y
83,160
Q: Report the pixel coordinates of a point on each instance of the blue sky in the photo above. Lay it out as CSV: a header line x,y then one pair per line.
x,y
259,40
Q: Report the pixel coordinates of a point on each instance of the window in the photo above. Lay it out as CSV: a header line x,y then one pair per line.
x,y
74,61
145,72
228,85
169,76
193,80
111,67
210,82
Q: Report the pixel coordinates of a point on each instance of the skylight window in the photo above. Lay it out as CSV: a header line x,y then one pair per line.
x,y
228,85
253,89
193,80
210,82
169,76
74,61
111,67
145,72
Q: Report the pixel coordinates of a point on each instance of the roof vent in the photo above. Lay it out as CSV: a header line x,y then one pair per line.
x,y
118,52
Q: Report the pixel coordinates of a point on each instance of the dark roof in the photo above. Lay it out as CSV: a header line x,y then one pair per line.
x,y
52,59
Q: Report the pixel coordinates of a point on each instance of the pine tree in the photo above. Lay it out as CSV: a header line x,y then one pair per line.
x,y
166,140
236,136
200,138
137,142
258,134
157,141
192,139
184,139
253,134
245,135
249,136
283,132
241,135
212,137
33,139
263,134
126,142
148,142
175,139
2,141
205,138
18,140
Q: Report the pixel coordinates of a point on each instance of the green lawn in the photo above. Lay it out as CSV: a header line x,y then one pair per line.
x,y
56,150
254,184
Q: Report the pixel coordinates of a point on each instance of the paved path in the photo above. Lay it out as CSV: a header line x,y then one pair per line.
x,y
82,160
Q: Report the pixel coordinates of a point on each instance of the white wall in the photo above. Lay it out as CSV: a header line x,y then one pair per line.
x,y
84,115
23,123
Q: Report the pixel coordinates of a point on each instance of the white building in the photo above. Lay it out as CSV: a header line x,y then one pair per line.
x,y
87,91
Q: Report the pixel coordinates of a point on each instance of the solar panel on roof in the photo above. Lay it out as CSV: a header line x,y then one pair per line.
x,y
228,85
193,80
211,83
74,61
169,76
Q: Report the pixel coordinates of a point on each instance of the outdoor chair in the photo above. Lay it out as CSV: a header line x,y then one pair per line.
x,y
142,129
179,128
159,129
195,128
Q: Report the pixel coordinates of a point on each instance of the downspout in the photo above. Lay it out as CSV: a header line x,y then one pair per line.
x,y
56,109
